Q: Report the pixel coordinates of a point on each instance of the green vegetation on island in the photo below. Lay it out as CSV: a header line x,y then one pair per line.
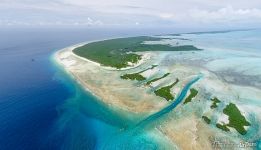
x,y
222,127
156,79
213,32
134,76
206,119
118,53
236,119
137,76
172,35
165,91
215,102
193,93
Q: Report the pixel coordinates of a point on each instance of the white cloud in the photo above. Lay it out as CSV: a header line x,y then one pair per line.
x,y
130,12
226,14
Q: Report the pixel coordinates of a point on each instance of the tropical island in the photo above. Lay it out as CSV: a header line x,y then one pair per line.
x,y
150,76
120,53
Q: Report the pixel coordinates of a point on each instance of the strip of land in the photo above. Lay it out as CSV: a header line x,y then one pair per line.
x,y
156,79
215,102
206,119
193,93
165,91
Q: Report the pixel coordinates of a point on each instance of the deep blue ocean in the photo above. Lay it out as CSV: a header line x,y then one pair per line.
x,y
39,103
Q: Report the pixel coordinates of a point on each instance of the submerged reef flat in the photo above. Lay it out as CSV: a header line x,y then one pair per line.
x,y
142,77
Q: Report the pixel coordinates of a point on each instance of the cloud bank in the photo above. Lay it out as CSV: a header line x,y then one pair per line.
x,y
188,13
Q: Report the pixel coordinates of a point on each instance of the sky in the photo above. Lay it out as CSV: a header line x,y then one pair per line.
x,y
132,13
